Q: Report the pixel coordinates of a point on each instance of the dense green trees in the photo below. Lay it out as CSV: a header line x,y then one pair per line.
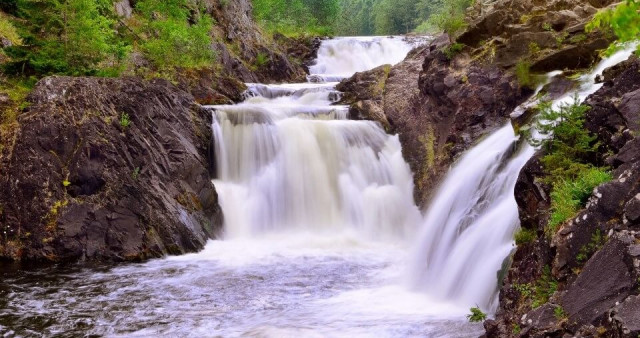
x,y
85,37
361,17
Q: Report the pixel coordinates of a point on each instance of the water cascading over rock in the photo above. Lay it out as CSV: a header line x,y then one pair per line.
x,y
289,160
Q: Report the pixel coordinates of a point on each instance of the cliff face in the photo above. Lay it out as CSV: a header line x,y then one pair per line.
x,y
594,258
107,169
445,96
439,107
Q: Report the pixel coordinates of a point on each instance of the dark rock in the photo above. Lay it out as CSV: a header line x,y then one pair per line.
x,y
82,183
605,280
627,316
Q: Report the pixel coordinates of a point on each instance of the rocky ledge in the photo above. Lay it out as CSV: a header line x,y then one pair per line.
x,y
438,104
107,169
590,268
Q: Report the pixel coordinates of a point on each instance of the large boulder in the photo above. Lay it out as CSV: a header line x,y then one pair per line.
x,y
107,169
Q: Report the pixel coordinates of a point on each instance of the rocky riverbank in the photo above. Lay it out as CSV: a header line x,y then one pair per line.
x,y
114,169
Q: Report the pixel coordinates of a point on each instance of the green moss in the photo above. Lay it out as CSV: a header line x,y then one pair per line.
x,y
524,236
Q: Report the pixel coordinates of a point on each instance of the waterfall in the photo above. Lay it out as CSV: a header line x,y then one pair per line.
x,y
468,228
342,57
288,160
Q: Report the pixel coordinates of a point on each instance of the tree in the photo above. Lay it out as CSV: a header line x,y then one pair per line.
x,y
623,21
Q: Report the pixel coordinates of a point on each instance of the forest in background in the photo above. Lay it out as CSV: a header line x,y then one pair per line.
x,y
360,17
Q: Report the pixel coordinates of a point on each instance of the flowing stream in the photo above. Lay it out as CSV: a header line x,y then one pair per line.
x,y
321,238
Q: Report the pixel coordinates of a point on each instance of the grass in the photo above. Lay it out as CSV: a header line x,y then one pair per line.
x,y
524,236
125,121
569,196
452,50
544,288
8,31
524,76
597,242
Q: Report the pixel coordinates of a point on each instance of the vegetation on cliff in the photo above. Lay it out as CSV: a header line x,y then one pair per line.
x,y
570,151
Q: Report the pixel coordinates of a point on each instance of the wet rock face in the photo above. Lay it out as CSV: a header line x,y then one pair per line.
x,y
107,169
598,281
548,34
439,107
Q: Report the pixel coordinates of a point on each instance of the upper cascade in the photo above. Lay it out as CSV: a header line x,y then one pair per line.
x,y
342,57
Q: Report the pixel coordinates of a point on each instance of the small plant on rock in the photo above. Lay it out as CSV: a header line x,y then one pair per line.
x,y
476,315
524,236
125,121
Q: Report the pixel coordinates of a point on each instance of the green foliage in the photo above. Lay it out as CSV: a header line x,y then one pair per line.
x,y
596,243
295,17
546,26
524,76
476,315
570,149
125,121
136,173
443,15
559,313
525,290
623,21
516,329
75,37
261,60
544,288
8,31
452,50
534,48
175,37
568,196
524,236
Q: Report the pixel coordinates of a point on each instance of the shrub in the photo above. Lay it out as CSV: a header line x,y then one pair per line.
x,y
544,288
171,40
524,76
452,50
476,315
570,149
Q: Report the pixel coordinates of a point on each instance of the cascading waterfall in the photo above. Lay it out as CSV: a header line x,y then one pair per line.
x,y
288,160
340,58
468,229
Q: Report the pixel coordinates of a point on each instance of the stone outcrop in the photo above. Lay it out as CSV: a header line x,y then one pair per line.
x,y
548,34
594,258
107,169
439,106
